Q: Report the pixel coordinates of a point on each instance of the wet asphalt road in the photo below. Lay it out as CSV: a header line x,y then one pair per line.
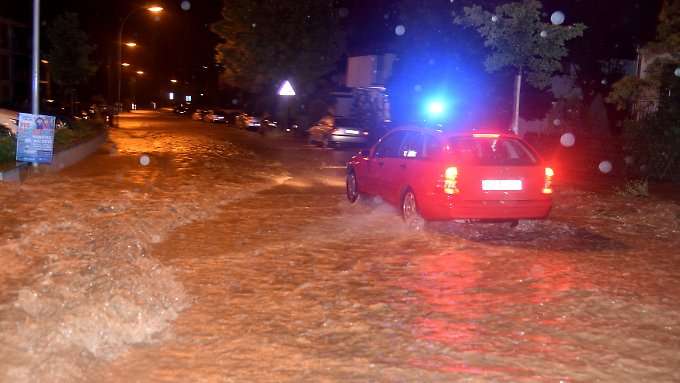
x,y
233,257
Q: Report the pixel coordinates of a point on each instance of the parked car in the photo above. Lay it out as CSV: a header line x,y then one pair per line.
x,y
214,115
198,114
182,109
9,119
230,116
335,132
248,122
432,175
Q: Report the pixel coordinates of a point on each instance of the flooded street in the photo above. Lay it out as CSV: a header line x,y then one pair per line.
x,y
236,258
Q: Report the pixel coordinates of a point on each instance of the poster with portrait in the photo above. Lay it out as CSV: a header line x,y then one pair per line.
x,y
35,138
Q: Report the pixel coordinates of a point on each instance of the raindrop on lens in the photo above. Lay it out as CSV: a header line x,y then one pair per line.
x,y
234,101
544,34
400,30
494,18
557,122
254,25
605,167
567,140
628,160
144,160
604,81
186,5
677,72
557,18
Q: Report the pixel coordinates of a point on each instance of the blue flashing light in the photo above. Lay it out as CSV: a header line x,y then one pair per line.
x,y
435,108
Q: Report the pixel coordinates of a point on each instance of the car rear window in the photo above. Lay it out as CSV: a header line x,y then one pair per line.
x,y
492,151
345,122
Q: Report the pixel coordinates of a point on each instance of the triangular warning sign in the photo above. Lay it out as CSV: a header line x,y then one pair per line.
x,y
286,89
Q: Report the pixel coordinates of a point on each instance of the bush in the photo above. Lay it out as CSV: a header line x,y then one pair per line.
x,y
7,149
654,139
634,188
77,132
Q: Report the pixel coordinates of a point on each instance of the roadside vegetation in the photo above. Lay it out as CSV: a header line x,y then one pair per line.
x,y
77,132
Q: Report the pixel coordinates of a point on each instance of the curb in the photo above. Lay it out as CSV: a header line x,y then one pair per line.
x,y
61,160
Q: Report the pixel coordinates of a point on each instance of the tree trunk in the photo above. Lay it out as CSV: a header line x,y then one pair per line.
x,y
518,88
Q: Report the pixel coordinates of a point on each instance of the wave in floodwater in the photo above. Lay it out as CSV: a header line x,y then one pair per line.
x,y
81,283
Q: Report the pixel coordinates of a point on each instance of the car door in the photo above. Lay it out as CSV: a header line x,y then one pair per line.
x,y
405,165
376,164
384,165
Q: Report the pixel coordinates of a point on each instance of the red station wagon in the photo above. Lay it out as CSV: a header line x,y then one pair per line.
x,y
434,175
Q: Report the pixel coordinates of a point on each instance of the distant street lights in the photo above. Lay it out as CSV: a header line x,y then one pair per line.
x,y
173,81
125,64
152,9
140,72
131,44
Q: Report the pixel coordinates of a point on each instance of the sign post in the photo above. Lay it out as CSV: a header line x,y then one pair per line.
x,y
286,90
35,138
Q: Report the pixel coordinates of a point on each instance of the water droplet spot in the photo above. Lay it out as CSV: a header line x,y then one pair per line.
x,y
557,17
567,140
605,167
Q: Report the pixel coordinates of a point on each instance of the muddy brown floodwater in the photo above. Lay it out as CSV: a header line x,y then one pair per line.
x,y
235,258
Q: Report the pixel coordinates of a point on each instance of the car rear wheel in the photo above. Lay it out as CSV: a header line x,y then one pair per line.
x,y
352,188
409,212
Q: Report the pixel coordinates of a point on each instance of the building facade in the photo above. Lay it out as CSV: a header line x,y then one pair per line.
x,y
15,62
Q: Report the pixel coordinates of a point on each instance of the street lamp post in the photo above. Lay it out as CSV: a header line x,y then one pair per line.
x,y
152,9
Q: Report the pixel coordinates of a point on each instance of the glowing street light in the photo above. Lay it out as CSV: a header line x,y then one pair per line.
x,y
131,44
125,64
140,72
153,9
44,61
173,81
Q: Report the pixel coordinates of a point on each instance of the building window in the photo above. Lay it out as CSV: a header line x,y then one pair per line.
x,y
4,93
4,67
4,36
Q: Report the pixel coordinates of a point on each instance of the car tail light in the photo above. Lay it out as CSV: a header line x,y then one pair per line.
x,y
547,185
451,180
486,135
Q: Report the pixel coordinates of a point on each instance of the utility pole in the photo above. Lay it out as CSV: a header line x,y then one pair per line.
x,y
35,75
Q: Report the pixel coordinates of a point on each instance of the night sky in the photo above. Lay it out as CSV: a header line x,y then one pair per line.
x,y
179,43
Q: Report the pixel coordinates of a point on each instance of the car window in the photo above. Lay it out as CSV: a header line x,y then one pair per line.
x,y
433,146
389,145
412,145
492,151
345,122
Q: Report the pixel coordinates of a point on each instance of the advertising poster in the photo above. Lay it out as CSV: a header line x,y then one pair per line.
x,y
35,138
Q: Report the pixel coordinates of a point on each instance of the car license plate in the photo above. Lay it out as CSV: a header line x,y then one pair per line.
x,y
501,185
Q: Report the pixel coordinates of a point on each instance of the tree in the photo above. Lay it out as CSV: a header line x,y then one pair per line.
x,y
69,54
269,41
652,100
520,39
